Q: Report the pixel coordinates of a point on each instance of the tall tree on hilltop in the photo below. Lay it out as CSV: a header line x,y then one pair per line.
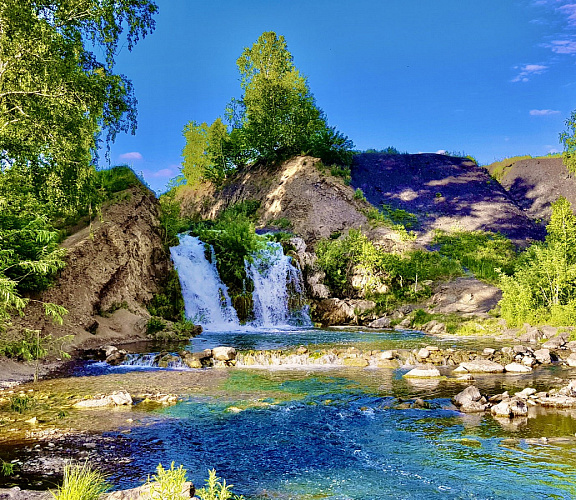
x,y
56,97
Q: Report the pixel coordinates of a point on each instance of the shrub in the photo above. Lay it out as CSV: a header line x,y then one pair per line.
x,y
359,195
81,482
155,325
216,490
168,483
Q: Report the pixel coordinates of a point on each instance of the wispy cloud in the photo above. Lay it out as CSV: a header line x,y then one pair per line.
x,y
133,155
562,46
527,71
544,112
569,10
165,172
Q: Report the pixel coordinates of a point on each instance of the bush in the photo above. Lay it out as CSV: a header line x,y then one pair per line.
x,y
168,483
81,482
359,195
216,490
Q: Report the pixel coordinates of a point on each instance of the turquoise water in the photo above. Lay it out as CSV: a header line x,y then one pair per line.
x,y
344,436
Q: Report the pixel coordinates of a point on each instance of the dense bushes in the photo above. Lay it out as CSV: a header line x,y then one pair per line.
x,y
543,287
355,265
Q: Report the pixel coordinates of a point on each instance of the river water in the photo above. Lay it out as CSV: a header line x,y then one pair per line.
x,y
344,433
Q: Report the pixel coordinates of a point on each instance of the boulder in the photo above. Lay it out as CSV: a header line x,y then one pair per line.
x,y
337,311
118,398
482,366
469,395
423,353
525,393
517,368
549,331
554,343
571,360
197,359
383,322
423,372
488,351
510,408
224,353
543,356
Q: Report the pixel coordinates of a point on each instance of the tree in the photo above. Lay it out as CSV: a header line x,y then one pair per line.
x,y
277,112
56,97
568,139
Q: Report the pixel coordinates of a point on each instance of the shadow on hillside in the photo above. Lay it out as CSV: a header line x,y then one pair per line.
x,y
441,191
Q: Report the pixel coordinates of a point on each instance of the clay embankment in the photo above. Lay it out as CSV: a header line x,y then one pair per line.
x,y
534,183
115,265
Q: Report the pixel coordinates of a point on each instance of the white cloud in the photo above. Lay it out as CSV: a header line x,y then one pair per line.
x,y
528,70
569,10
544,112
562,46
441,152
134,155
165,172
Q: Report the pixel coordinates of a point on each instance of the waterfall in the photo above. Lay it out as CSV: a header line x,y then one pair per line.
x,y
206,298
278,288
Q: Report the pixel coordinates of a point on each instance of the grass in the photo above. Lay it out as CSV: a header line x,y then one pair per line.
x,y
498,169
21,403
481,252
456,324
81,482
6,468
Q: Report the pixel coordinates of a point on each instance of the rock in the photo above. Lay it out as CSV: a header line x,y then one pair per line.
x,y
438,329
224,353
525,393
510,408
468,395
549,331
387,355
543,356
355,362
17,494
517,368
383,322
554,343
118,398
423,353
337,311
528,361
464,295
116,357
520,349
499,397
423,372
571,360
143,493
569,390
533,335
571,345
488,351
558,401
482,366
197,359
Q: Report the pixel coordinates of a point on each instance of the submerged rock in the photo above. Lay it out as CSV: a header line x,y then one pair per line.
x,y
482,366
510,408
423,372
118,398
517,368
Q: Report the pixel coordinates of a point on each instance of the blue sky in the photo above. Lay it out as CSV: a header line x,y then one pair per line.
x,y
492,79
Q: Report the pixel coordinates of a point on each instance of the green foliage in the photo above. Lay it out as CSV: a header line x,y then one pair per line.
x,y
543,287
275,118
155,325
359,195
21,403
396,219
168,302
171,222
390,150
387,277
568,140
113,180
216,490
281,223
484,253
81,482
6,468
168,484
56,97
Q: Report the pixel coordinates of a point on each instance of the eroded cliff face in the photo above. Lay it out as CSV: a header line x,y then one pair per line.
x,y
316,203
113,269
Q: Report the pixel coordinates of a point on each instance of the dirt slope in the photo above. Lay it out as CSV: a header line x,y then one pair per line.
x,y
316,203
119,261
445,192
534,183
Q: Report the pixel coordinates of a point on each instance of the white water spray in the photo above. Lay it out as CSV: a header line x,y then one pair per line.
x,y
206,298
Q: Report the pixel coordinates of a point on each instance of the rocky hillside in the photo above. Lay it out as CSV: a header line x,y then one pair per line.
x,y
301,191
444,192
113,268
534,183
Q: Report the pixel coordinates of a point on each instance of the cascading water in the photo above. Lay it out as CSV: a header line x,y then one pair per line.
x,y
278,289
206,298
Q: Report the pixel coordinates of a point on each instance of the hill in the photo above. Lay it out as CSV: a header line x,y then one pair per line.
x,y
444,192
534,183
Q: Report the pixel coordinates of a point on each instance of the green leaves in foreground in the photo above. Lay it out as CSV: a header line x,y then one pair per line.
x,y
81,482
